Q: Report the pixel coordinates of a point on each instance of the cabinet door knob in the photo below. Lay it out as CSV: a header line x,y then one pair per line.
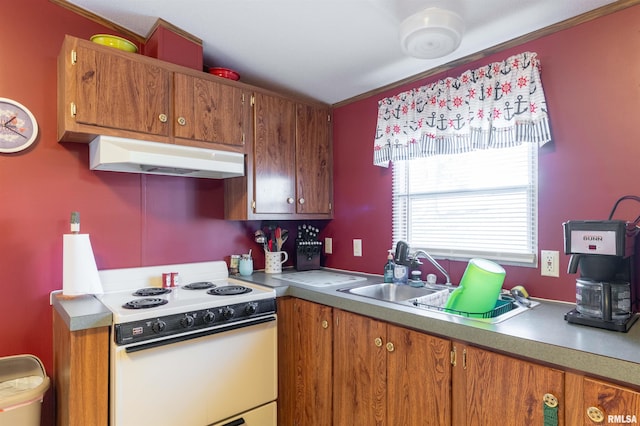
x,y
377,341
163,118
290,200
595,414
390,347
325,324
301,200
182,121
550,400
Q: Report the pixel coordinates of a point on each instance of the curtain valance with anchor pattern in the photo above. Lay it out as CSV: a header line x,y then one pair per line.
x,y
499,105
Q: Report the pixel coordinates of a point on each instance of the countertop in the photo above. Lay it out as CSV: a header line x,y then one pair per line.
x,y
540,334
81,312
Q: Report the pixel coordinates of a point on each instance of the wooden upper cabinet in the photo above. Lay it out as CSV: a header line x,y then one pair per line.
x,y
106,91
290,174
274,154
207,111
121,93
314,159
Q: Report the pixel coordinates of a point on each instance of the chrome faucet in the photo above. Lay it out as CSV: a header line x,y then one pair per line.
x,y
427,256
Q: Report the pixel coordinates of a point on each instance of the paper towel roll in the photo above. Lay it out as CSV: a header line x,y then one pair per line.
x,y
79,270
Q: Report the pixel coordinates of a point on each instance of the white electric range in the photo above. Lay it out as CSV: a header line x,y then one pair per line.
x,y
202,353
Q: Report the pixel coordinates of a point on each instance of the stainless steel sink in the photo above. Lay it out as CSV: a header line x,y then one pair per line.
x,y
389,292
433,299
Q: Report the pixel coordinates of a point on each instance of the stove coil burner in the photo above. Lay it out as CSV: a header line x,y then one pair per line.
x,y
147,302
230,290
201,285
151,291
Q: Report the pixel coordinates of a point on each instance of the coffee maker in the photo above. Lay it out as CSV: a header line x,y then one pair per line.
x,y
603,253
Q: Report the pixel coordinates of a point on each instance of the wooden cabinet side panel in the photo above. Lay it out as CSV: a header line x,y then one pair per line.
x,y
619,405
314,160
61,369
286,361
274,154
359,370
81,369
419,378
503,389
66,88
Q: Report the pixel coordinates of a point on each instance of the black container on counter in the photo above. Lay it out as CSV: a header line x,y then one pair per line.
x,y
308,255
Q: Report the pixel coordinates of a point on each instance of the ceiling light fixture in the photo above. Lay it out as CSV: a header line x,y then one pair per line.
x,y
431,33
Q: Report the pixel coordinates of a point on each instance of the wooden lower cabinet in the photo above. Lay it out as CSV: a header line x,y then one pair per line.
x,y
343,369
388,375
597,402
304,363
491,388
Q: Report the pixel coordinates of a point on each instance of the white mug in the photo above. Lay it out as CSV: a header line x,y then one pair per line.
x,y
273,261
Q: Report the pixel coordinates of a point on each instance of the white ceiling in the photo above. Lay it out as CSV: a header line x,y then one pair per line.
x,y
329,50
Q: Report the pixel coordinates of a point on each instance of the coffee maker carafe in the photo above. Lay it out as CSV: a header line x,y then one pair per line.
x,y
603,253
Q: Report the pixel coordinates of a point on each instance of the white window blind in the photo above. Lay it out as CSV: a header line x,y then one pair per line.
x,y
477,204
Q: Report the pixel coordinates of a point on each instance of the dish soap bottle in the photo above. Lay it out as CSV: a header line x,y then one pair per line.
x,y
388,268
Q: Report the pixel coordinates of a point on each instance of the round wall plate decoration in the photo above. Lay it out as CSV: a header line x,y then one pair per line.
x,y
18,126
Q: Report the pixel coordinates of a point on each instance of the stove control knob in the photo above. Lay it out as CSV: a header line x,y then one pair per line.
x,y
158,326
227,313
187,321
209,317
251,308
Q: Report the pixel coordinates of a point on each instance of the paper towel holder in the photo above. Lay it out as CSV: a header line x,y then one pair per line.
x,y
79,270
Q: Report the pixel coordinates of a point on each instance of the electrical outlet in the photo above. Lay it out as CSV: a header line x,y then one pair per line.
x,y
328,245
357,248
549,263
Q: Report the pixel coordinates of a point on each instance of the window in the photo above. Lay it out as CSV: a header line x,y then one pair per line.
x,y
477,204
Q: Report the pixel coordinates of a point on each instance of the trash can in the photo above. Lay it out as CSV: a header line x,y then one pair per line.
x,y
23,383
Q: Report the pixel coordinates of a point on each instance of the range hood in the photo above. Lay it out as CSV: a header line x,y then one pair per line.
x,y
134,156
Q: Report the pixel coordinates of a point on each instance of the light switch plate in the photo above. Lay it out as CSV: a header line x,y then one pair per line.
x,y
328,245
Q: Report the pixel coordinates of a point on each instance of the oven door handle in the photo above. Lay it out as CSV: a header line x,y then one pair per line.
x,y
208,332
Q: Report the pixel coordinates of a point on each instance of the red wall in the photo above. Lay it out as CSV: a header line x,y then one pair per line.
x,y
133,220
590,75
137,220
